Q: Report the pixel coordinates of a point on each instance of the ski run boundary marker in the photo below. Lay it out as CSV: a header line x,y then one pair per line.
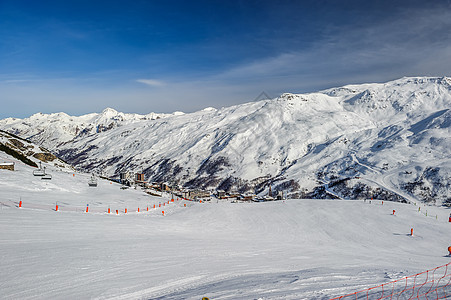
x,y
431,284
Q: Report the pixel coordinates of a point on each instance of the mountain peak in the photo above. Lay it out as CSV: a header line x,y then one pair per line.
x,y
109,112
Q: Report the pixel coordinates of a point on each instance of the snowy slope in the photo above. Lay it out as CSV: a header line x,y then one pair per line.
x,y
28,152
295,249
387,141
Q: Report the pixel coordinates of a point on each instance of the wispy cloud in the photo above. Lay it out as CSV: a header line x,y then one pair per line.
x,y
16,81
151,82
415,42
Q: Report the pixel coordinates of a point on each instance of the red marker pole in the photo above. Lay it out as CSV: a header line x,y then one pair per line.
x,y
20,205
411,231
87,207
163,212
393,212
109,210
56,207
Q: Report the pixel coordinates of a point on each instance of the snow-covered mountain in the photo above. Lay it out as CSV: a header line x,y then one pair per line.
x,y
387,141
52,130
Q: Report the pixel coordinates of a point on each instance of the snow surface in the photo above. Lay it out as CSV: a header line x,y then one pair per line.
x,y
294,249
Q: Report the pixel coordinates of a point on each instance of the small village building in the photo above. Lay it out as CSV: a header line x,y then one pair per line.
x,y
7,166
248,197
221,194
139,178
268,198
199,194
195,194
126,178
234,194
165,187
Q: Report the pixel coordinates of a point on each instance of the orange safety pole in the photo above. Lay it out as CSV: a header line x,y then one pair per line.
x,y
163,212
411,231
87,207
147,208
125,210
20,205
154,206
109,210
56,208
138,209
184,204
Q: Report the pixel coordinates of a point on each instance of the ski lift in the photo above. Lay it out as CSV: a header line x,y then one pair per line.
x,y
46,176
40,171
93,181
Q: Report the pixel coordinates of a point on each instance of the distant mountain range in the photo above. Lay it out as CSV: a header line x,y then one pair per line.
x,y
387,141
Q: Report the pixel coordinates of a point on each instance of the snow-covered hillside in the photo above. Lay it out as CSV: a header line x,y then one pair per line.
x,y
387,141
294,249
28,152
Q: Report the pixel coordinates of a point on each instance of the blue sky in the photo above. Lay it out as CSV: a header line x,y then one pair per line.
x,y
162,56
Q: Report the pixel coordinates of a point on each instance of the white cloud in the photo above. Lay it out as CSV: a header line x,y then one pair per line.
x,y
151,82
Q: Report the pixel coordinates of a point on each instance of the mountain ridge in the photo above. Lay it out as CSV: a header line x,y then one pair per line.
x,y
387,140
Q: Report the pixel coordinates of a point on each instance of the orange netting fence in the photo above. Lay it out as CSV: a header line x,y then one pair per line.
x,y
430,284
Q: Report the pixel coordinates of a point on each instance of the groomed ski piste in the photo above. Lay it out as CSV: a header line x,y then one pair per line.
x,y
292,249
